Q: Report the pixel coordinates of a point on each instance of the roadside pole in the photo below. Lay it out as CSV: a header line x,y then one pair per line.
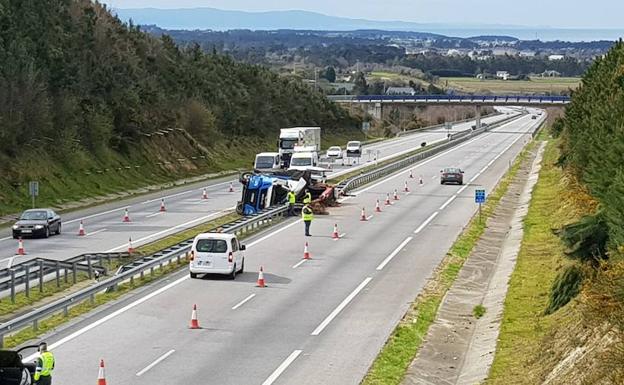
x,y
33,188
480,199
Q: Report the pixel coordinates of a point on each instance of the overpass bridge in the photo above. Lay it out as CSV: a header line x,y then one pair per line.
x,y
374,103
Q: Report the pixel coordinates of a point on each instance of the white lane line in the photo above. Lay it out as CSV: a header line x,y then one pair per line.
x,y
425,223
159,360
185,192
182,225
408,193
154,214
275,232
299,263
96,215
241,303
340,307
483,170
474,177
110,316
462,189
280,369
95,232
433,177
368,218
448,202
340,236
394,253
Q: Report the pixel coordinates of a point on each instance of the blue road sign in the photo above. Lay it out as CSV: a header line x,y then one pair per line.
x,y
479,196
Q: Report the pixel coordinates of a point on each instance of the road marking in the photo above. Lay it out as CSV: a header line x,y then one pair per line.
x,y
368,218
241,303
4,239
280,369
112,315
425,223
408,193
483,170
451,199
474,177
159,360
154,214
182,225
340,236
95,232
394,253
462,189
299,263
340,307
433,177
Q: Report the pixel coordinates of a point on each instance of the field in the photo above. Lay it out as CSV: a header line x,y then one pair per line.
x,y
535,85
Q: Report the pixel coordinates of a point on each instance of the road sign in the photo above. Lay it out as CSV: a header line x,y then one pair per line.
x,y
365,126
33,189
479,196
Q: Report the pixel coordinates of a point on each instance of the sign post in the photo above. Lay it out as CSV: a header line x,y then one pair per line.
x,y
33,188
480,199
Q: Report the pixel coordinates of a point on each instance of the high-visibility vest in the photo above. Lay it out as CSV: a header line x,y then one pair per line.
x,y
291,197
306,213
308,198
45,364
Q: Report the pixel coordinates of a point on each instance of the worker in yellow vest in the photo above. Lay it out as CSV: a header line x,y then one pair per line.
x,y
307,198
45,366
292,198
307,215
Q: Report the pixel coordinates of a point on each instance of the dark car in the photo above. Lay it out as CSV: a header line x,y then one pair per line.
x,y
37,223
451,175
13,371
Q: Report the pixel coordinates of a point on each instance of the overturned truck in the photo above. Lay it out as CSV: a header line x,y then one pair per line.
x,y
263,190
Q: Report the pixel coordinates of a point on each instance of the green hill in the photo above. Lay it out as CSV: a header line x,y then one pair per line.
x,y
87,105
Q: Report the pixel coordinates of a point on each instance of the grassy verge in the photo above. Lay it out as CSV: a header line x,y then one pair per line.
x,y
524,325
404,342
540,85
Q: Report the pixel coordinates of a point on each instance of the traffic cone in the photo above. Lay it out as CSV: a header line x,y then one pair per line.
x,y
101,380
411,175
363,215
387,203
335,234
396,195
20,247
231,187
81,230
260,282
306,254
130,248
162,206
377,208
204,194
406,188
194,321
126,217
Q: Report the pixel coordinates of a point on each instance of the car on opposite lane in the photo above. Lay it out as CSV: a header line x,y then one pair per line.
x,y
334,152
37,223
451,175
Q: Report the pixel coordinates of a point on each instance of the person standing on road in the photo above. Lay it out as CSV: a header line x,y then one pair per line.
x,y
307,199
307,215
292,198
45,366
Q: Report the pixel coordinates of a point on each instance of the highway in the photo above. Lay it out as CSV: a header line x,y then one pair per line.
x,y
321,321
107,233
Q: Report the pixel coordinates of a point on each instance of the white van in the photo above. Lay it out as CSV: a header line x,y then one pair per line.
x,y
216,253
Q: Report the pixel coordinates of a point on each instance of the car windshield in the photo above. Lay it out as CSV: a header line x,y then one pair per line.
x,y
334,149
211,246
288,144
34,215
451,171
264,162
301,162
353,144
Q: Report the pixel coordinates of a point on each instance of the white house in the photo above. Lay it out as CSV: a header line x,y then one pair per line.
x,y
555,57
400,91
504,75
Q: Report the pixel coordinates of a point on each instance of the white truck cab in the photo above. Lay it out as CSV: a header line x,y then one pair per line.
x,y
216,253
267,161
304,158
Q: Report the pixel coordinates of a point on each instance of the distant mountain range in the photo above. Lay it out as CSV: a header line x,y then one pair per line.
x,y
221,20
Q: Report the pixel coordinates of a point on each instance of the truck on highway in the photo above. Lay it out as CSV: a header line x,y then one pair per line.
x,y
267,161
304,158
297,136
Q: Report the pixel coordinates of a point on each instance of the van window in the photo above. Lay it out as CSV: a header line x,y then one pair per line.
x,y
234,245
211,246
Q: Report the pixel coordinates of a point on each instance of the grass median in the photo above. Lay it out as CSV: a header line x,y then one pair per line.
x,y
392,362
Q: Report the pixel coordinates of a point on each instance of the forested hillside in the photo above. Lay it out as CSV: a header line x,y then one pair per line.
x,y
79,90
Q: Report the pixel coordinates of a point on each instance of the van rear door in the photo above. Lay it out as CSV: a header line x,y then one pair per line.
x,y
212,253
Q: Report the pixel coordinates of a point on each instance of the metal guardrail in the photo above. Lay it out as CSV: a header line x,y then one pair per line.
x,y
32,318
437,126
454,99
365,178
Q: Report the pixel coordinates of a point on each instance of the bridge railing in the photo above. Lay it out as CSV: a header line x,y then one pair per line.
x,y
486,99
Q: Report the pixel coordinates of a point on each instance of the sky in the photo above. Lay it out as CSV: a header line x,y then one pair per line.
x,y
535,13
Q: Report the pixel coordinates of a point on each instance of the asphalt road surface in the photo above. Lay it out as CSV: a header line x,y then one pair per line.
x,y
321,321
107,233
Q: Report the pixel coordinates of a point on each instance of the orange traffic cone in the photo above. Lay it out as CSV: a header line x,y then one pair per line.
x,y
20,247
363,215
231,187
387,203
130,248
306,254
162,206
411,175
260,278
194,321
396,195
335,234
406,188
377,208
101,380
204,194
81,230
126,217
